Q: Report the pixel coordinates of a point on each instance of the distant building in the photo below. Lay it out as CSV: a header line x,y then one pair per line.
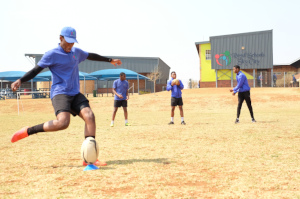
x,y
253,51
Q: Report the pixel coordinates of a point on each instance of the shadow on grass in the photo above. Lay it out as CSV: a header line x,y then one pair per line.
x,y
131,161
120,162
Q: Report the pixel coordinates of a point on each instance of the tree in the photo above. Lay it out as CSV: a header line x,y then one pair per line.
x,y
154,76
193,83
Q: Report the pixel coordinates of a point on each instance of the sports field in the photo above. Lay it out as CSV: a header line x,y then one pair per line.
x,y
210,157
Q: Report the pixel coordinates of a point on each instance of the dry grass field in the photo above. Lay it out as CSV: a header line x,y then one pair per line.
x,y
210,157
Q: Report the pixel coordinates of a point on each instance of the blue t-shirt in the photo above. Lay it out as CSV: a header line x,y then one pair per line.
x,y
64,69
175,90
121,87
242,83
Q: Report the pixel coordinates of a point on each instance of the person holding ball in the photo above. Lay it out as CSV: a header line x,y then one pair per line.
x,y
66,98
175,86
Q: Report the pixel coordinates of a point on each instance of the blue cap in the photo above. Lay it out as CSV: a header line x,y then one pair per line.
x,y
69,34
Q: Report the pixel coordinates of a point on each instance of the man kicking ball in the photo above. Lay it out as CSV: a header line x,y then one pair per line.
x,y
175,86
66,98
120,89
244,92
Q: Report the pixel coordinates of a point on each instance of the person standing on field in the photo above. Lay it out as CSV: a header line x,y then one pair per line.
x,y
244,92
120,89
176,97
274,79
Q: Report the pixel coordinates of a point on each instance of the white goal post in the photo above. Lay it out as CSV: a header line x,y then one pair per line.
x,y
132,87
33,93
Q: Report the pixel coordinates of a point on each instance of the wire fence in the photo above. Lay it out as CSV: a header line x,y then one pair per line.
x,y
278,79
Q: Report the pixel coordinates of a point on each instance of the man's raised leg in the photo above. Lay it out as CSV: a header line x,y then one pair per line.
x,y
62,122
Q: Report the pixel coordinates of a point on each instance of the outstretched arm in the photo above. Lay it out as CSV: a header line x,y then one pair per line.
x,y
96,57
28,76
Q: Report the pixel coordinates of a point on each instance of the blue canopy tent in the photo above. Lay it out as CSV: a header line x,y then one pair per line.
x,y
14,75
82,76
113,74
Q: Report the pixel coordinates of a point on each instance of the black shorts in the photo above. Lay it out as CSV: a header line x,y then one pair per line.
x,y
119,103
176,101
71,104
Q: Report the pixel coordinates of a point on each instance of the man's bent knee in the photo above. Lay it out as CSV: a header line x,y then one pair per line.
x,y
63,124
89,116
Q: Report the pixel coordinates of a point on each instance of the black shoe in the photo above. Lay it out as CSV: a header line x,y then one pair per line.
x,y
237,121
171,123
183,123
253,120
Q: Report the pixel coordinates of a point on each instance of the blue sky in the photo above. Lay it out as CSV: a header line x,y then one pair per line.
x,y
165,29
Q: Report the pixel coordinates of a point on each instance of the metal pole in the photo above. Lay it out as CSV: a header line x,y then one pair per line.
x,y
18,103
146,81
154,82
96,87
107,87
284,79
254,78
261,77
138,81
31,84
84,84
272,77
231,78
216,78
133,89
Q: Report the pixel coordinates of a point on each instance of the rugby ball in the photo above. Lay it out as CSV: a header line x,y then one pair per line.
x,y
89,150
176,82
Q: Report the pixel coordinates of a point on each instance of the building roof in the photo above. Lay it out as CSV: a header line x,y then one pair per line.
x,y
295,63
240,34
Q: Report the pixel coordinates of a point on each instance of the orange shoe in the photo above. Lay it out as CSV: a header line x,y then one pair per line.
x,y
20,134
97,163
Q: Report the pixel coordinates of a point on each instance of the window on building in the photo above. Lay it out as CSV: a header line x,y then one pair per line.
x,y
207,55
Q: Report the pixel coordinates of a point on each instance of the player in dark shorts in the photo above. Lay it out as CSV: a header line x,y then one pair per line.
x,y
65,95
176,97
244,92
120,89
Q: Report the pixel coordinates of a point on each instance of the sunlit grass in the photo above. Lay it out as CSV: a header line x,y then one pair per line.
x,y
210,157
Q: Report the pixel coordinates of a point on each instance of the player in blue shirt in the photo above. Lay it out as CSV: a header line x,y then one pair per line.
x,y
244,92
120,89
176,97
66,98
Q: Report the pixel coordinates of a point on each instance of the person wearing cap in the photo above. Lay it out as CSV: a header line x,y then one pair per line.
x,y
244,92
65,95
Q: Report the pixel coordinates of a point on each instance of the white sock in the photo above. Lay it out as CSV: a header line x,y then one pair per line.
x,y
112,122
172,119
182,119
126,121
